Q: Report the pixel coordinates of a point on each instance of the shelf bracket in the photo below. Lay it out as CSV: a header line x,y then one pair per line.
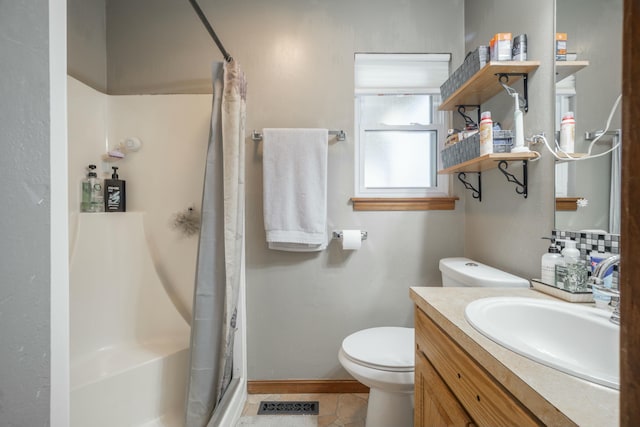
x,y
475,193
462,110
521,187
525,82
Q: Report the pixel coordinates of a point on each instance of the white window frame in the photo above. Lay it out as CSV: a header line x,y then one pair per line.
x,y
391,83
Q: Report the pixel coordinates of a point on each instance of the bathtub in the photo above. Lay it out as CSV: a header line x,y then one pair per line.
x,y
129,346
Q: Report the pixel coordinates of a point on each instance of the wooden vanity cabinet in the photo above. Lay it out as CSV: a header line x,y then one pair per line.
x,y
435,405
452,389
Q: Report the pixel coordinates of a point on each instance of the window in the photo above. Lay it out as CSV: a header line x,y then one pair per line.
x,y
399,130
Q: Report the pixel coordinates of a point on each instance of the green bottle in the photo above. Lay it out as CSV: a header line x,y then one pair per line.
x,y
92,198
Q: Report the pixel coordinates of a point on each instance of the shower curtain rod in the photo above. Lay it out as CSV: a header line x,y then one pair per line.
x,y
212,33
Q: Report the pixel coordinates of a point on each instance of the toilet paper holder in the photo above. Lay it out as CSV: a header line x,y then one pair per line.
x,y
337,235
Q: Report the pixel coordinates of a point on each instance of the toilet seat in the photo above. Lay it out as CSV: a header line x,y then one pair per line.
x,y
384,348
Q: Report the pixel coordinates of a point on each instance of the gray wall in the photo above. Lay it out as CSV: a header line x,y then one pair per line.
x,y
504,229
87,42
25,210
298,57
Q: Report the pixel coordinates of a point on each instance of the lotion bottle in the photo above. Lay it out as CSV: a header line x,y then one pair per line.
x,y
568,133
570,253
548,264
486,133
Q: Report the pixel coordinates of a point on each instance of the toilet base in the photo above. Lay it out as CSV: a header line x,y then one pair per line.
x,y
389,409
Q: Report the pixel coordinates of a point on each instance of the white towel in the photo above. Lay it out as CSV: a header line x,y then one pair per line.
x,y
295,188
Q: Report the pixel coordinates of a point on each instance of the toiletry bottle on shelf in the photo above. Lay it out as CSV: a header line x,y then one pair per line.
x,y
568,133
114,193
92,200
518,128
486,133
548,263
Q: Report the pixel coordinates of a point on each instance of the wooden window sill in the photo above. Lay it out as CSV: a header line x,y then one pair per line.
x,y
404,204
567,203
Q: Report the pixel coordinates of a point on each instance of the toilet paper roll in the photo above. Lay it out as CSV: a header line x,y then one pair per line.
x,y
351,240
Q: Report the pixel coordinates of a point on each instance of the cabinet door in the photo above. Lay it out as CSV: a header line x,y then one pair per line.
x,y
435,405
486,400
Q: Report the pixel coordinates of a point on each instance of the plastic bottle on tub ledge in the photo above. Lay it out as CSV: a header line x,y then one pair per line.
x,y
486,133
92,199
115,198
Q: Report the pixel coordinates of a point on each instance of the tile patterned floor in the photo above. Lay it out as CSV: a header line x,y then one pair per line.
x,y
336,410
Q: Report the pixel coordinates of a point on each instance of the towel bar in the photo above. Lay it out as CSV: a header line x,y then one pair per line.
x,y
340,135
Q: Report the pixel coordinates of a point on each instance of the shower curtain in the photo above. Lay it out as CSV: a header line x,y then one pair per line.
x,y
219,264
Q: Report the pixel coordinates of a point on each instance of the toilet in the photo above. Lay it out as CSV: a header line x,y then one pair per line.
x,y
382,358
460,272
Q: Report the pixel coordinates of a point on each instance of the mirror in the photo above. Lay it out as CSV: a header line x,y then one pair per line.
x,y
585,189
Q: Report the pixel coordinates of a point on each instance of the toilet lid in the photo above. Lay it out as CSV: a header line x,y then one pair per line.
x,y
388,348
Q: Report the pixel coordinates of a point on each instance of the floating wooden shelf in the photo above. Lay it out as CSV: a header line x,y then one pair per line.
x,y
484,84
486,162
491,161
566,68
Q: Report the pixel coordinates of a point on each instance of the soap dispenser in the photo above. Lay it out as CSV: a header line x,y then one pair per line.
x,y
570,253
114,193
549,261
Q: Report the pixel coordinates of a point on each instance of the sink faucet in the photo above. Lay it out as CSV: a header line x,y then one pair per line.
x,y
596,281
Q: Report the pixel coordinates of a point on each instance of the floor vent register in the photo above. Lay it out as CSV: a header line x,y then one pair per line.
x,y
289,408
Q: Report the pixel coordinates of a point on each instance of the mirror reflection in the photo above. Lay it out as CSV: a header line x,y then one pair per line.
x,y
588,83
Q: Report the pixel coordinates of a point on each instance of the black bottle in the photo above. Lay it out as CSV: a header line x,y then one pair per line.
x,y
114,193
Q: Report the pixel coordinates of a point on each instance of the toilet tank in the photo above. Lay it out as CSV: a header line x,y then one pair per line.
x,y
466,272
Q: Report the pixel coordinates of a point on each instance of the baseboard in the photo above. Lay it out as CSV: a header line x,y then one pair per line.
x,y
305,386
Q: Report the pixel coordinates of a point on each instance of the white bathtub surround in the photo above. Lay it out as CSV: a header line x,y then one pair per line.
x,y
220,269
163,178
129,344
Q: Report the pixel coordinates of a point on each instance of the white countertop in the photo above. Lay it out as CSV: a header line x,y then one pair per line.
x,y
542,389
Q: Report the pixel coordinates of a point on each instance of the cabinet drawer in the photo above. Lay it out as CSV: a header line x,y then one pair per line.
x,y
486,400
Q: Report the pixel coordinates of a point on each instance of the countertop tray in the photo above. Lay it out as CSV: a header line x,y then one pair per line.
x,y
586,296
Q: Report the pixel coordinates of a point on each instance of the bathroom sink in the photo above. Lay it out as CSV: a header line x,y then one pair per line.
x,y
577,340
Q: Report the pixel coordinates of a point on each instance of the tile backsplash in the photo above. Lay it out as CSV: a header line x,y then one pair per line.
x,y
591,242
